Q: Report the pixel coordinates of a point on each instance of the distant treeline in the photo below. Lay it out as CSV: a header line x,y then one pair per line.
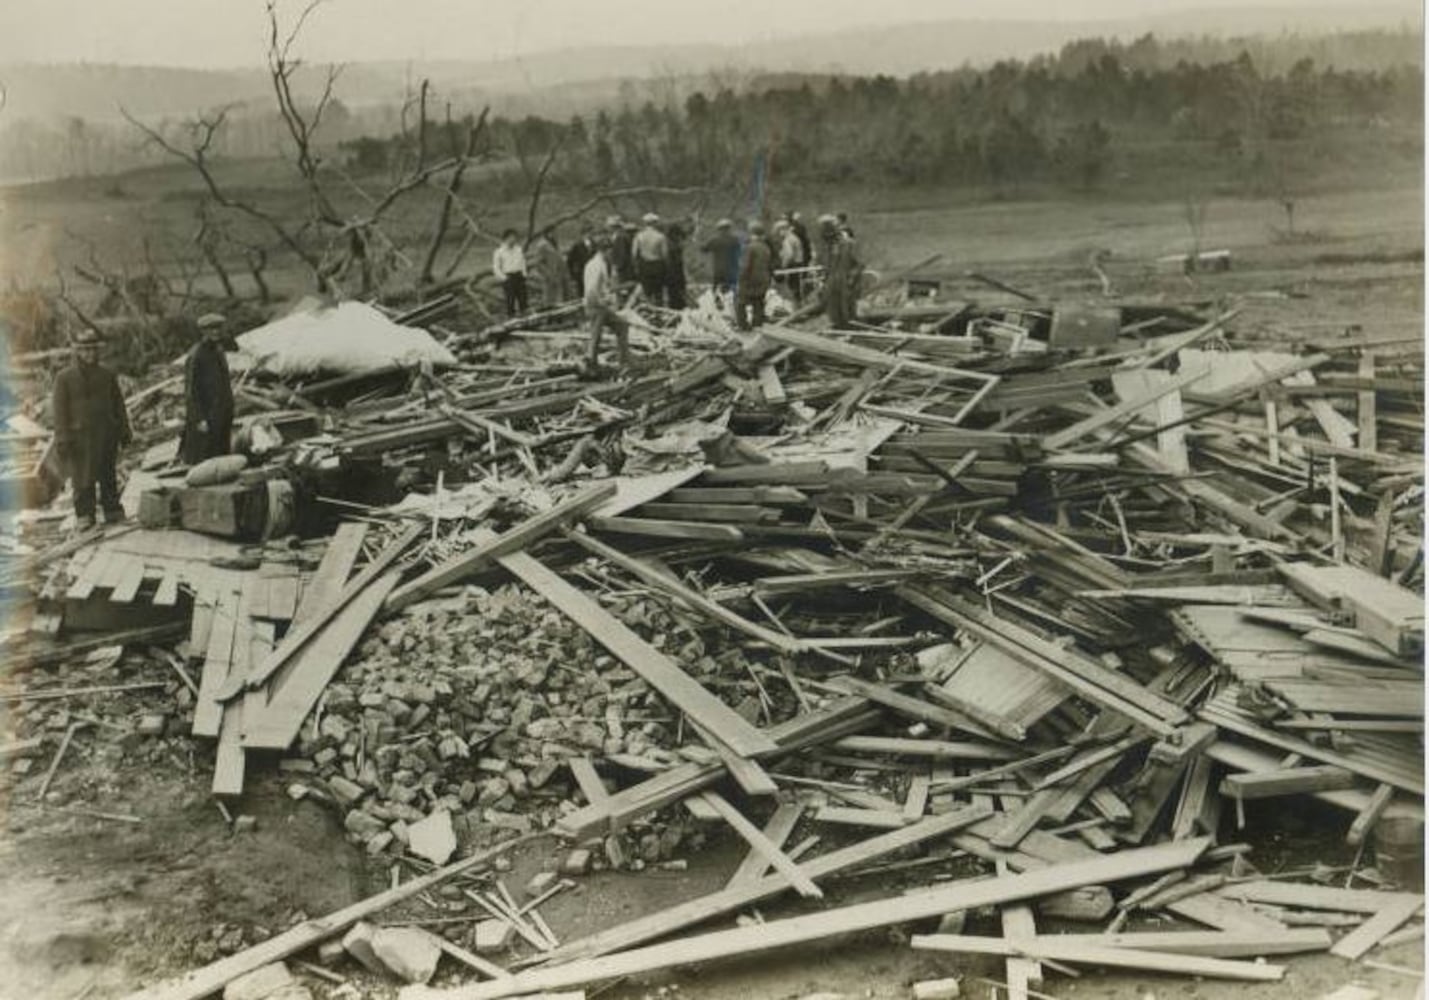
x,y
1076,119
1261,108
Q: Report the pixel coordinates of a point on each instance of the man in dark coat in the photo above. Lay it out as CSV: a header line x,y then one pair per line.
x,y
581,251
208,396
90,426
622,255
723,248
756,272
675,289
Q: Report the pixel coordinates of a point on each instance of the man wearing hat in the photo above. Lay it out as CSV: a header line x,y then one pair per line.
x,y
208,395
622,259
651,252
723,248
90,425
581,251
756,271
843,271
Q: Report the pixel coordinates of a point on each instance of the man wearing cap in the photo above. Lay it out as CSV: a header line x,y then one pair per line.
x,y
90,425
208,395
651,252
756,271
843,272
723,248
600,305
675,297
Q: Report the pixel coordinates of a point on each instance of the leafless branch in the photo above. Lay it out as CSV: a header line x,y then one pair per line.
x,y
539,184
439,233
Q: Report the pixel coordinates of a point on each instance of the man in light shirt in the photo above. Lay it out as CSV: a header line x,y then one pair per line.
x,y
508,263
651,252
600,305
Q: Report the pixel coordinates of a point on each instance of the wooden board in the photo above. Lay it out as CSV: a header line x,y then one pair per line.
x,y
1214,944
208,710
1091,954
290,701
336,565
1368,934
653,666
743,941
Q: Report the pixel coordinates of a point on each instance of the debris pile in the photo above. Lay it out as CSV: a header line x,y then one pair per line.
x,y
1057,595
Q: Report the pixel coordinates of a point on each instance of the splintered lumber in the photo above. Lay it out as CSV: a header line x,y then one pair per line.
x,y
528,531
589,782
1019,922
776,831
1369,815
731,898
274,725
685,595
1368,934
200,983
1316,897
842,920
658,670
756,839
877,818
1290,781
683,780
1050,947
299,637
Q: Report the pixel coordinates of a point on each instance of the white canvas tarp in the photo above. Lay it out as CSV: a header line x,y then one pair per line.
x,y
338,340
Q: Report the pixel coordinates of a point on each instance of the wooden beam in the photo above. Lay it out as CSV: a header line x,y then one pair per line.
x,y
656,528
1045,947
932,902
1289,781
1368,422
528,531
337,563
212,978
658,670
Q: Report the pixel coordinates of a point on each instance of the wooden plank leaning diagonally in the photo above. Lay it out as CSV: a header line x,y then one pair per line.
x,y
655,667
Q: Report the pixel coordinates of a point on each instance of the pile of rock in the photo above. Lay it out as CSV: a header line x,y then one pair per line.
x,y
471,706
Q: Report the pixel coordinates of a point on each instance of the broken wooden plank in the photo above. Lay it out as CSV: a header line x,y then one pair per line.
x,y
776,831
656,528
1314,897
1086,953
514,540
876,913
1384,921
1290,781
655,667
299,637
1369,815
337,563
294,696
588,780
876,818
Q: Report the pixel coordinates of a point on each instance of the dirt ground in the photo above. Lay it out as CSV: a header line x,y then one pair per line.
x,y
95,907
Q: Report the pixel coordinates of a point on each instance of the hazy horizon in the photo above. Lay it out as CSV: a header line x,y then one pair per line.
x,y
231,34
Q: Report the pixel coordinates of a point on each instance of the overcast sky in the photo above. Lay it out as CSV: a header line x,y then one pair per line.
x,y
231,32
